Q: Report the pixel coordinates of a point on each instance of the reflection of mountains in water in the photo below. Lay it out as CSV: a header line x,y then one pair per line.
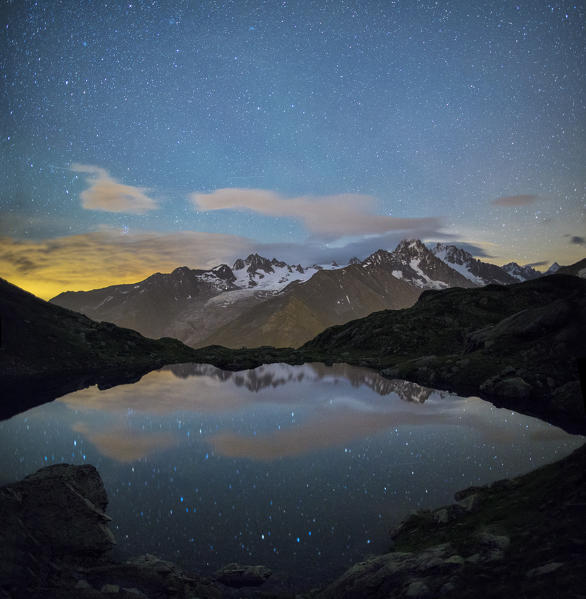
x,y
276,375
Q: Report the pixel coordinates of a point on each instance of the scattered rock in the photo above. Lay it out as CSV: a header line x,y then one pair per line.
x,y
543,570
417,588
239,575
110,589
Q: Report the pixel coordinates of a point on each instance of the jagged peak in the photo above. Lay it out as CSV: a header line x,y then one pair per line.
x,y
412,244
354,260
223,271
453,253
377,257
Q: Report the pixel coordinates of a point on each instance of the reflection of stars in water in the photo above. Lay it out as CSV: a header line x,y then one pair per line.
x,y
188,503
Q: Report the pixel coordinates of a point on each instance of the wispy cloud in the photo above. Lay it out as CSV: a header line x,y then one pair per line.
x,y
577,240
538,263
328,216
108,195
514,201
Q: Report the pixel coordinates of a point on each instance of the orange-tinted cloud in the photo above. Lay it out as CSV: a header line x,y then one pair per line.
x,y
124,445
514,201
326,429
336,215
108,257
108,195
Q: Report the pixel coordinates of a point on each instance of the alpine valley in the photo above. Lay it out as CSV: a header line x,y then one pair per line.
x,y
259,301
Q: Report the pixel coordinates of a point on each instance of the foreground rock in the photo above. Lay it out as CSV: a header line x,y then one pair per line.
x,y
524,537
55,542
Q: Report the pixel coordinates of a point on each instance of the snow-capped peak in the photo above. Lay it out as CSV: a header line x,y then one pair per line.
x,y
451,254
521,273
258,272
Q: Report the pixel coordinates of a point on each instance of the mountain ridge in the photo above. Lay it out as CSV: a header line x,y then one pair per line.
x,y
245,305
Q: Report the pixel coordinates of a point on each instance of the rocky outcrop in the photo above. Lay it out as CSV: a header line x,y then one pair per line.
x,y
55,542
522,537
240,575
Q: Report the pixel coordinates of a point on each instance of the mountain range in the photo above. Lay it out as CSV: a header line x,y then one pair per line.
x,y
259,301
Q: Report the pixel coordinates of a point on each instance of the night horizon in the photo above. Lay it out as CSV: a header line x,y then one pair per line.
x,y
139,137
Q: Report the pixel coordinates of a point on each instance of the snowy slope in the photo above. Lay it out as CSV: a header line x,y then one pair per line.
x,y
480,273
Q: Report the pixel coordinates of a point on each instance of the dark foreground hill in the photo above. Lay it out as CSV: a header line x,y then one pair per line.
x,y
522,537
46,350
520,346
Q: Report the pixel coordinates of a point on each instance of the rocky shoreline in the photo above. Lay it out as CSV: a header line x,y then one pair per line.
x,y
519,537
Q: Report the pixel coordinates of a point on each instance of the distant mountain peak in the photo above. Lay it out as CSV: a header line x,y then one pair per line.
x,y
479,272
415,264
410,246
454,254
552,269
521,273
223,271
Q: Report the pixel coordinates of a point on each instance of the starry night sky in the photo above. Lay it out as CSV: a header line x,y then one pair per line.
x,y
140,136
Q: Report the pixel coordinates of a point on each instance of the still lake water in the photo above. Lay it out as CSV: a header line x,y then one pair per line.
x,y
301,468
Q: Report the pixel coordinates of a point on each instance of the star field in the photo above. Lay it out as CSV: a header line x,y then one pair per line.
x,y
433,110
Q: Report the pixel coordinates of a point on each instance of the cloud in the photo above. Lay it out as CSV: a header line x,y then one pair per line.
x,y
539,263
108,257
577,240
514,201
124,445
326,216
474,248
108,195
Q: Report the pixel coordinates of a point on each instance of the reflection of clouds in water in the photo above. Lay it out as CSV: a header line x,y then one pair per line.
x,y
124,445
332,405
158,392
333,408
337,428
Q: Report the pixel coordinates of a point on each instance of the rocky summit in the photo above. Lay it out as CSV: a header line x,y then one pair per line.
x,y
480,273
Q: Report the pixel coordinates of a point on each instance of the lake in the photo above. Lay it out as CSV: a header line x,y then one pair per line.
x,y
301,468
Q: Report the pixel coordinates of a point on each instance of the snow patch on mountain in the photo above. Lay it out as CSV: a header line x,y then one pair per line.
x,y
458,259
521,273
260,274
